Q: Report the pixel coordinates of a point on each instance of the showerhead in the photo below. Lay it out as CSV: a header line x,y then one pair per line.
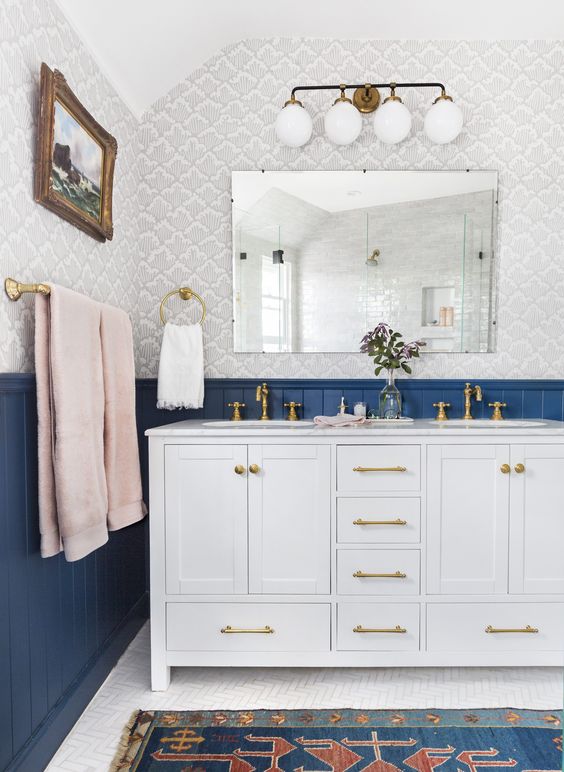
x,y
373,258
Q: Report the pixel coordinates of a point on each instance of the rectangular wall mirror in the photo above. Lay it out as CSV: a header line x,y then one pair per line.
x,y
321,257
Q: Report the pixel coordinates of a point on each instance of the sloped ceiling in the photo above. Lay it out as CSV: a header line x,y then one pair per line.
x,y
145,47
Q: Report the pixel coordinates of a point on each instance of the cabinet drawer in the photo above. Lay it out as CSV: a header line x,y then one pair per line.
x,y
462,627
378,467
378,520
378,626
297,627
397,572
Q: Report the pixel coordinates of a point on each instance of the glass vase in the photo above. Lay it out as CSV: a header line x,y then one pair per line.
x,y
390,398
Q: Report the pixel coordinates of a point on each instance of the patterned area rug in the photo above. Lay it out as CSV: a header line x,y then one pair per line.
x,y
342,740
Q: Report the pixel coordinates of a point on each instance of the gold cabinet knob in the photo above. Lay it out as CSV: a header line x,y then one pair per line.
x,y
519,468
239,469
505,468
254,469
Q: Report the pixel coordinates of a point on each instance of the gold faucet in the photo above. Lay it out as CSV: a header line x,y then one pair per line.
x,y
292,414
236,410
470,392
262,396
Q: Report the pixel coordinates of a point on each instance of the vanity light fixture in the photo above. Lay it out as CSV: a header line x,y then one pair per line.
x,y
343,122
392,119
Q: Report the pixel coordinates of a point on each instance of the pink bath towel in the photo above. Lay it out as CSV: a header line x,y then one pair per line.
x,y
89,477
121,451
70,405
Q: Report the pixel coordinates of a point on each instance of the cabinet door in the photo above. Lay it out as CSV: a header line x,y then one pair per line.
x,y
468,515
536,563
289,519
206,519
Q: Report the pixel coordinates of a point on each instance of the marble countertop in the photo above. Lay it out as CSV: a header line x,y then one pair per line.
x,y
421,428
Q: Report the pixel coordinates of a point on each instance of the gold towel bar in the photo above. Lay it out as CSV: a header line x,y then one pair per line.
x,y
186,293
15,289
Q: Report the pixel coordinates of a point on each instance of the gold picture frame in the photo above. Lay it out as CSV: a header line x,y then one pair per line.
x,y
75,159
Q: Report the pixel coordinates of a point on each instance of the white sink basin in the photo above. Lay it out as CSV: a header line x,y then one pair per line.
x,y
274,424
481,423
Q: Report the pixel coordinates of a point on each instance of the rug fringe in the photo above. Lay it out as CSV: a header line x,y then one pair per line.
x,y
128,745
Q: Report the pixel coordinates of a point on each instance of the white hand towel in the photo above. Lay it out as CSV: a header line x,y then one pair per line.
x,y
181,367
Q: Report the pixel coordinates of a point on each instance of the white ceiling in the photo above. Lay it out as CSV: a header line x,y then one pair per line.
x,y
146,47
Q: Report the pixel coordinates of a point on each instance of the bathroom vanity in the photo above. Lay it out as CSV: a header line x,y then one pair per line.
x,y
417,544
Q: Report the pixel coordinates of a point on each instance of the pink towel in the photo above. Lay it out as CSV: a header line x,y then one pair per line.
x,y
70,407
341,419
88,455
121,451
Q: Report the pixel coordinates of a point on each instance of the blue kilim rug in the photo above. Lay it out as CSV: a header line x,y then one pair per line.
x,y
342,740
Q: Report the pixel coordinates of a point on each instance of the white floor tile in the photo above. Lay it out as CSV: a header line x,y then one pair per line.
x,y
91,745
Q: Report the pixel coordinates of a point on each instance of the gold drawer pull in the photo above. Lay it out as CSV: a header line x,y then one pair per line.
x,y
364,575
265,630
519,468
239,469
360,521
396,629
528,629
380,469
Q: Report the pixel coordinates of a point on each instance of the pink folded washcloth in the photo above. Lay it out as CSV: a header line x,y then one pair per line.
x,y
341,419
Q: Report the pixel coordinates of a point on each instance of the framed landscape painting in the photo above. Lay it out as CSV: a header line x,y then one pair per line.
x,y
75,161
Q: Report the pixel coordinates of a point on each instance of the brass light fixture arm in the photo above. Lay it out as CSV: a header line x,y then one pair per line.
x,y
344,86
366,97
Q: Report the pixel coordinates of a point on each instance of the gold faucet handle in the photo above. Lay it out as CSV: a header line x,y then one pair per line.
x,y
292,415
496,415
441,413
236,410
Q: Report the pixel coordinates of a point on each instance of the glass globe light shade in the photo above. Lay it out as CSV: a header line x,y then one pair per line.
x,y
392,121
343,122
293,125
443,121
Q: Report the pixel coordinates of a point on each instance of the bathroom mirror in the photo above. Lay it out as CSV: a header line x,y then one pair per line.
x,y
321,257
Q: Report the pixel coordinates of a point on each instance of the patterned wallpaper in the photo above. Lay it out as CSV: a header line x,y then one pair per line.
x,y
172,207
35,244
221,118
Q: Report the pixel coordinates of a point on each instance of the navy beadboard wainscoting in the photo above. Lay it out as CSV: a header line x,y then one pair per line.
x,y
525,398
62,625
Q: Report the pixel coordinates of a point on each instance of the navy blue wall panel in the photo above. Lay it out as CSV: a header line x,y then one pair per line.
x,y
62,625
57,620
525,399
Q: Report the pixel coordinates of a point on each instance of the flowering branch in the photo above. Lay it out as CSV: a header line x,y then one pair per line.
x,y
388,349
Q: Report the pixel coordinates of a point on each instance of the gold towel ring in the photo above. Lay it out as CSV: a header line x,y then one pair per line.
x,y
186,294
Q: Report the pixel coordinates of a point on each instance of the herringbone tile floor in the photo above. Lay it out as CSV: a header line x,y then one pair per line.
x,y
91,745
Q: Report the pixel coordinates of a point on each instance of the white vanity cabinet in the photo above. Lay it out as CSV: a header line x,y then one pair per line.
x,y
206,519
468,519
496,518
298,546
536,557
